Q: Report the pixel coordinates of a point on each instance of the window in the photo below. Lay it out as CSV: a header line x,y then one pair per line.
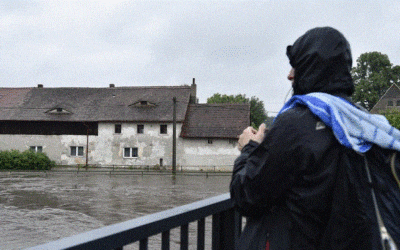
x,y
143,104
37,149
58,111
140,128
130,152
390,103
398,103
76,151
163,129
118,128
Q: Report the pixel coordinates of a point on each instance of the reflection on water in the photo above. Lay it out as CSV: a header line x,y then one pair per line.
x,y
37,208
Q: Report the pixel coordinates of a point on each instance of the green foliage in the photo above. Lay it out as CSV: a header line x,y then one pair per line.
x,y
393,116
372,77
218,98
27,160
257,111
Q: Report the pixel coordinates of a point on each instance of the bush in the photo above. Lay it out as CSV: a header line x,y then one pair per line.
x,y
393,116
27,160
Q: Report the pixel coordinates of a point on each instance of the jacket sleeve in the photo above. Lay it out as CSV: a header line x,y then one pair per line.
x,y
263,172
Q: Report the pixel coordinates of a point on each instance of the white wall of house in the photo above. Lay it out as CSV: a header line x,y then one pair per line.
x,y
151,144
218,153
51,144
57,147
108,147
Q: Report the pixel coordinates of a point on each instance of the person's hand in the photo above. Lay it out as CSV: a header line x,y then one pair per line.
x,y
251,134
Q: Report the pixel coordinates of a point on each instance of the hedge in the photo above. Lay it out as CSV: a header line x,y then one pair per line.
x,y
27,160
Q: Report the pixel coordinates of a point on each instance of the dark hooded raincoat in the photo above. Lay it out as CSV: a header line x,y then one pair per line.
x,y
293,187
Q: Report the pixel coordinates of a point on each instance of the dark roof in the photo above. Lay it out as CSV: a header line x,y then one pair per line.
x,y
216,120
93,104
392,94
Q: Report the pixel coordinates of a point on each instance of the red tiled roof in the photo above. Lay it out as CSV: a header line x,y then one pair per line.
x,y
93,104
11,97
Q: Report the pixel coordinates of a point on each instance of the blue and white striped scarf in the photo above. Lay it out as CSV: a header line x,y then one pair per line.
x,y
351,126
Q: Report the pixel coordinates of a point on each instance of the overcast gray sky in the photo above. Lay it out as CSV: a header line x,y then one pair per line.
x,y
230,47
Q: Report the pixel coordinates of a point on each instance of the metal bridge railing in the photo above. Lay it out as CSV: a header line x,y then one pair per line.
x,y
225,229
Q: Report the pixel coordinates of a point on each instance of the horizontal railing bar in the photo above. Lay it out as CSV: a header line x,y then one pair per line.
x,y
124,233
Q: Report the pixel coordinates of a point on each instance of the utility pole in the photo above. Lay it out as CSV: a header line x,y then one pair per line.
x,y
87,145
174,137
87,148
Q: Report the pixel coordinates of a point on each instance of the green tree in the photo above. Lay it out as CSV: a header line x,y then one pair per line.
x,y
372,76
257,111
395,74
393,116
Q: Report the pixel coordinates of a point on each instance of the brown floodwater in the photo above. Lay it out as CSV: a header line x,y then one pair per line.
x,y
38,207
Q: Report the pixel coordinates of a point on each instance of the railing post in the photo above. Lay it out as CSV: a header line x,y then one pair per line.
x,y
201,228
223,230
143,244
165,240
185,237
228,229
215,234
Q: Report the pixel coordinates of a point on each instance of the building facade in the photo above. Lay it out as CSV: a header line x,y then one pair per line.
x,y
121,126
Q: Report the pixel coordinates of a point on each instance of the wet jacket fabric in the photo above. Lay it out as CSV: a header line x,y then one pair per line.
x,y
322,62
293,187
294,191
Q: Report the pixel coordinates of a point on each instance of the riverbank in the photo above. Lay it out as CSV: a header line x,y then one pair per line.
x,y
124,170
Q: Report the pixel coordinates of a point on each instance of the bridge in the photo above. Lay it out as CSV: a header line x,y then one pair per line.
x,y
226,226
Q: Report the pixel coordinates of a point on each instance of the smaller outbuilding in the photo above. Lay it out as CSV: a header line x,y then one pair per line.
x,y
389,101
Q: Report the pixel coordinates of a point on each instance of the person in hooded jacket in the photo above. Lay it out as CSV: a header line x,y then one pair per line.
x,y
290,182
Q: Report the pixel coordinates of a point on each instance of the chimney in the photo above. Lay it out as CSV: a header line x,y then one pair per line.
x,y
193,98
112,85
40,86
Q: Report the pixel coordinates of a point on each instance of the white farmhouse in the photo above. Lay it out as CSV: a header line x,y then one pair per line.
x,y
122,126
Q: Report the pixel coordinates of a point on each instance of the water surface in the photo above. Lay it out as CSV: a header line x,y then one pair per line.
x,y
36,208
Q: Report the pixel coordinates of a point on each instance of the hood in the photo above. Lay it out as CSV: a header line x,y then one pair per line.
x,y
322,62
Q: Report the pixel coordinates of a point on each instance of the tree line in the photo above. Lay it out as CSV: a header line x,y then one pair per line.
x,y
373,75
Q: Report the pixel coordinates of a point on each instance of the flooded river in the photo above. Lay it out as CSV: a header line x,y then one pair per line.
x,y
36,208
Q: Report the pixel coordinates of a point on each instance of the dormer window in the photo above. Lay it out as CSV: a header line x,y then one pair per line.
x,y
143,104
59,111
